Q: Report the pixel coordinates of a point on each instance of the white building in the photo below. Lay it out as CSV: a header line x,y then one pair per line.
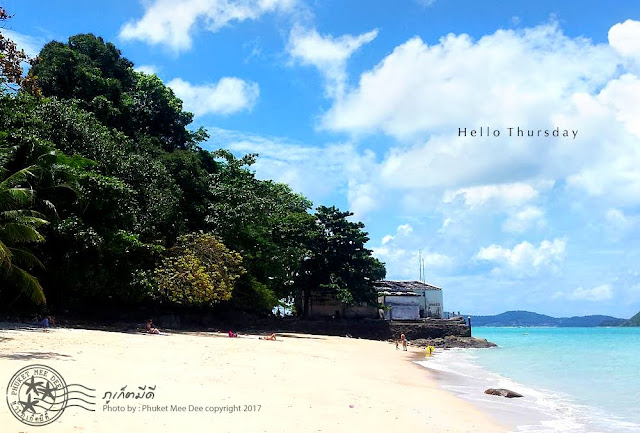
x,y
409,300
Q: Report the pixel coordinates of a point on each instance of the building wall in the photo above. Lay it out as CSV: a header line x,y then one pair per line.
x,y
433,303
403,312
361,311
428,304
326,308
402,307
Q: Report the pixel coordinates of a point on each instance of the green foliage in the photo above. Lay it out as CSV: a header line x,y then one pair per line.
x,y
265,221
19,226
253,296
95,75
86,69
153,109
121,178
339,264
198,270
192,171
633,321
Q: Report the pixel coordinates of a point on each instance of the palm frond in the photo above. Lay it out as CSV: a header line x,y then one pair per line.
x,y
15,233
5,255
25,258
16,196
24,282
24,216
18,177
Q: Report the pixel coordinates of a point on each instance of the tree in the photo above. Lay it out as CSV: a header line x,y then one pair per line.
x,y
198,270
93,72
339,265
18,227
87,69
266,223
11,60
145,185
35,177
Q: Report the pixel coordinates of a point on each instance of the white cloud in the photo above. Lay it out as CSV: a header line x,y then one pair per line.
x,y
435,260
625,38
535,78
446,223
165,22
327,53
317,172
618,225
402,231
620,96
227,96
363,198
524,219
425,3
30,44
525,259
405,229
386,239
602,292
406,262
617,219
506,79
147,69
514,194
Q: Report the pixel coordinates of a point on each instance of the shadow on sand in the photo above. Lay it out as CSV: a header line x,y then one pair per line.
x,y
26,356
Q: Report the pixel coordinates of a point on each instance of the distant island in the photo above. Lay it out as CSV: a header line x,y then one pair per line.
x,y
634,321
528,318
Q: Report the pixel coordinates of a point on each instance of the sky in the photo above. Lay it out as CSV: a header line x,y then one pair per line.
x,y
408,114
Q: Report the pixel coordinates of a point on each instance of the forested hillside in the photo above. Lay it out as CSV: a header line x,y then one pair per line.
x,y
527,318
108,199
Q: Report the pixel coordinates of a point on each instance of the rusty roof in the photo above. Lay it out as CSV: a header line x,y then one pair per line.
x,y
403,286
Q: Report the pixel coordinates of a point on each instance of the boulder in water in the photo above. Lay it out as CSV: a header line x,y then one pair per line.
x,y
502,392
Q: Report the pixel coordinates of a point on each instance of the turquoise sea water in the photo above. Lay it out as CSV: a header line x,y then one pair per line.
x,y
575,380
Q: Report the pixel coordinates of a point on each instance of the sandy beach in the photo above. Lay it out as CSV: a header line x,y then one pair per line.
x,y
299,383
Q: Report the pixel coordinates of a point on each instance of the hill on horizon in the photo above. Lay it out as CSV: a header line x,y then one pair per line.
x,y
634,321
528,318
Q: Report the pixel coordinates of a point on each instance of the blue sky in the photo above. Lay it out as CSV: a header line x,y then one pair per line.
x,y
360,104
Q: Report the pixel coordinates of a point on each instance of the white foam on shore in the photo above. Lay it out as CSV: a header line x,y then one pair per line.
x,y
539,411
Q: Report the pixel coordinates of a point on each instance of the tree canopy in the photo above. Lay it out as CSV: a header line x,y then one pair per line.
x,y
339,264
96,76
127,208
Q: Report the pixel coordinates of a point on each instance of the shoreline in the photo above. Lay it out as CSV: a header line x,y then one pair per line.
x,y
301,383
540,410
461,378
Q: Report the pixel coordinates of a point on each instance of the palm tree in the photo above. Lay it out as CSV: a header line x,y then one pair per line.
x,y
19,226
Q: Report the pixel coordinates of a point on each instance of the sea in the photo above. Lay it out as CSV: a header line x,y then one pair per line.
x,y
574,380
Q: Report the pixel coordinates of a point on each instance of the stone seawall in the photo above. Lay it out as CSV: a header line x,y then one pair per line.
x,y
373,329
433,328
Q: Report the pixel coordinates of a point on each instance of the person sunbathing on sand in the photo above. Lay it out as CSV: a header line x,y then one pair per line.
x,y
271,337
150,328
233,334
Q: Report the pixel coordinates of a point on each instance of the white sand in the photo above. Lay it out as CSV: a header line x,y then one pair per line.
x,y
301,383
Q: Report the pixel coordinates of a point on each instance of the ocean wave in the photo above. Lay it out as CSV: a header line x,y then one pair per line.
x,y
539,411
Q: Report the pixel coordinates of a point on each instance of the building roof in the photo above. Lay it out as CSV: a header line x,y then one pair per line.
x,y
403,286
390,293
